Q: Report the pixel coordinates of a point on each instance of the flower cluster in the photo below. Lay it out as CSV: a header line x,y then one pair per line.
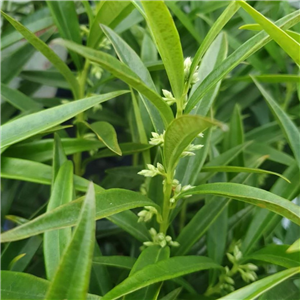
x,y
147,214
168,97
96,70
178,189
160,239
187,69
153,171
157,139
189,149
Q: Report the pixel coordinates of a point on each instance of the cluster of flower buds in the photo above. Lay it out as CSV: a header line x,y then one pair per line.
x,y
96,70
146,214
178,189
157,139
105,44
187,69
160,239
153,171
168,97
189,150
227,282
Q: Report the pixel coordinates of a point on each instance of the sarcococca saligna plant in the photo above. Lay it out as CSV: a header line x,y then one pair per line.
x,y
163,163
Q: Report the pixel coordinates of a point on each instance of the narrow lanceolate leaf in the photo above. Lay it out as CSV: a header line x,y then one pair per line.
x,y
149,256
32,124
27,170
121,71
286,42
46,51
18,99
66,20
134,62
58,157
252,195
108,203
217,27
289,128
240,170
253,290
106,134
123,262
109,13
56,241
239,55
276,255
168,43
180,133
17,286
161,271
71,280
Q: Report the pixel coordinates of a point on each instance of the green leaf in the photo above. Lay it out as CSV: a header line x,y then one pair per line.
x,y
26,170
295,247
58,157
227,14
179,134
66,20
35,22
56,241
71,280
168,43
46,51
124,262
250,195
287,43
108,13
108,203
184,19
253,290
120,70
241,170
288,127
276,255
149,256
18,99
17,286
12,65
19,130
243,52
172,295
271,78
133,61
42,150
106,134
161,271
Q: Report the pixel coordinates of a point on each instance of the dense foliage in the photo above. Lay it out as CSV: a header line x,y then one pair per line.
x,y
150,150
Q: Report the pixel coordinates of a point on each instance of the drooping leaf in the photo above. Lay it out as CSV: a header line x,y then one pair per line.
x,y
58,157
19,130
163,270
71,279
289,128
108,203
250,195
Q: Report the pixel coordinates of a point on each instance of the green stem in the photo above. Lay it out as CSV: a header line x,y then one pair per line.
x,y
166,204
80,117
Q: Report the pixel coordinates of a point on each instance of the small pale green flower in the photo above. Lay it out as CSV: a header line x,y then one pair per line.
x,y
187,69
146,214
189,150
160,239
96,71
157,139
153,171
169,98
